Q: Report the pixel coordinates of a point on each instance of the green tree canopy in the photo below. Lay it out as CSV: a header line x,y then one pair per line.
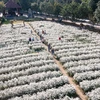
x,y
1,6
26,4
57,8
84,10
97,12
34,6
70,10
93,4
46,7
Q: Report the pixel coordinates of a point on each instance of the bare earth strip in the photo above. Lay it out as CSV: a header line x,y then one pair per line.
x,y
79,91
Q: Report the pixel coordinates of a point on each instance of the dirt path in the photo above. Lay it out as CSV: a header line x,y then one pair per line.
x,y
79,91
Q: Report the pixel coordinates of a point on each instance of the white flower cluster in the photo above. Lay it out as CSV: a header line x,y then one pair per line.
x,y
77,50
34,87
70,52
49,94
81,62
95,94
90,84
5,77
25,58
28,74
86,75
82,68
80,57
26,79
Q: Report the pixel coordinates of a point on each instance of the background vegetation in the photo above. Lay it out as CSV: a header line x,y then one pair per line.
x,y
87,9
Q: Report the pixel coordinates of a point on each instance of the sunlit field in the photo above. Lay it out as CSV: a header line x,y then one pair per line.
x,y
29,72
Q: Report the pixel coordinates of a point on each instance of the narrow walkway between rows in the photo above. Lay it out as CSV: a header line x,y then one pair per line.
x,y
79,91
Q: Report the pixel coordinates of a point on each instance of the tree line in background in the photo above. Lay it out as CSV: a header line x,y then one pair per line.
x,y
87,9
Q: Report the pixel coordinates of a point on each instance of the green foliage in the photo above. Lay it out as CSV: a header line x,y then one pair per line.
x,y
93,4
57,8
1,5
51,1
26,4
46,7
49,8
43,6
84,10
77,10
68,8
34,6
73,9
97,12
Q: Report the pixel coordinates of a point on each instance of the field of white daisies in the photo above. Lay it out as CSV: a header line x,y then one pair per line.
x,y
29,72
78,51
